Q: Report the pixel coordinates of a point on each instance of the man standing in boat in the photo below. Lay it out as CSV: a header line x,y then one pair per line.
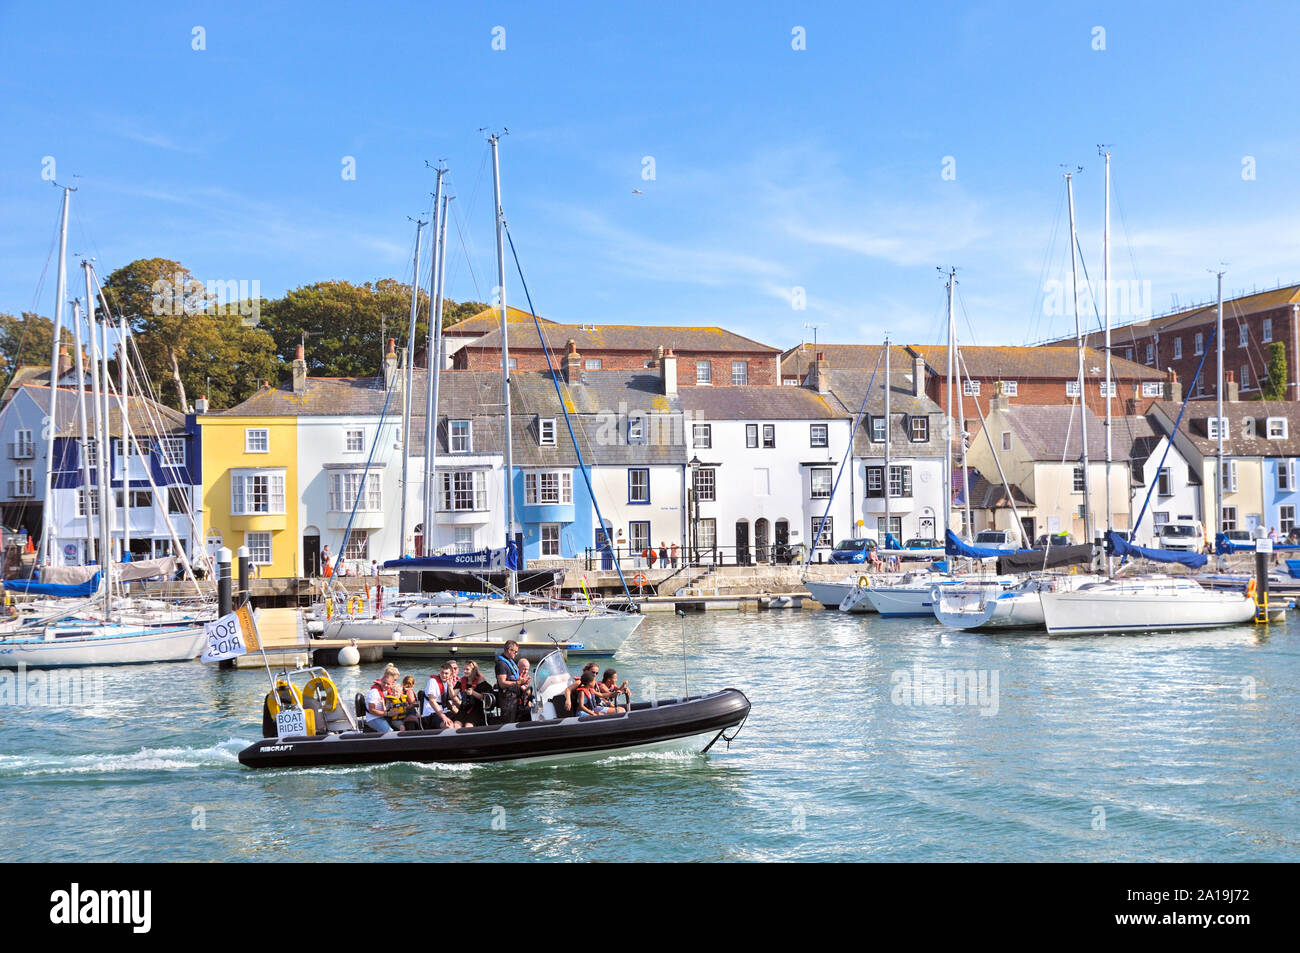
x,y
510,683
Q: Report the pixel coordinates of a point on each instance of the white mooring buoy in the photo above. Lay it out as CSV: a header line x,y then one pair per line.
x,y
349,655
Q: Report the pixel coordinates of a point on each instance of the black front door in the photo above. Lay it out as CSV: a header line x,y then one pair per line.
x,y
742,543
311,555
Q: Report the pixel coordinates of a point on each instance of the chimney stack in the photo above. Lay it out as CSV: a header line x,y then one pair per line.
x,y
1173,388
1000,400
300,372
65,362
818,375
668,372
918,376
572,364
390,364
1231,389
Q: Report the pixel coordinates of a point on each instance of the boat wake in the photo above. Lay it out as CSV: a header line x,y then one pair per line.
x,y
221,755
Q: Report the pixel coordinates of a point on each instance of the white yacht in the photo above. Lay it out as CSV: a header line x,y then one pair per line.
x,y
1155,603
993,607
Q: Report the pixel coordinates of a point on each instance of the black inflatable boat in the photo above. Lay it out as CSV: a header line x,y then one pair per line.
x,y
330,735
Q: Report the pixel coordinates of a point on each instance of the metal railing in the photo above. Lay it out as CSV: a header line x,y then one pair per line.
x,y
22,488
602,558
22,450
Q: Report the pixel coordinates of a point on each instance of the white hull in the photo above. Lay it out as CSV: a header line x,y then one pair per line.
x,y
902,600
831,594
597,634
1143,607
110,645
961,607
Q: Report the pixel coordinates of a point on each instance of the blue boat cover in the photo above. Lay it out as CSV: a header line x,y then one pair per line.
x,y
483,559
1226,547
1293,567
954,546
82,591
1122,547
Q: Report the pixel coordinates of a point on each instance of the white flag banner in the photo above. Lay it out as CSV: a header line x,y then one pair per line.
x,y
225,639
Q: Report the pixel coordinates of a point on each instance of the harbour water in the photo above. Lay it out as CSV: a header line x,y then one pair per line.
x,y
869,739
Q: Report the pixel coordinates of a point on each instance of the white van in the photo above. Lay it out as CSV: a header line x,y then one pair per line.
x,y
1184,536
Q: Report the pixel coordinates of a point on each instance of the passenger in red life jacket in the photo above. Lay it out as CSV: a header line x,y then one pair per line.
x,y
377,705
439,703
584,697
608,690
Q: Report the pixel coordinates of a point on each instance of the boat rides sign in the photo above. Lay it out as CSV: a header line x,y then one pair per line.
x,y
230,636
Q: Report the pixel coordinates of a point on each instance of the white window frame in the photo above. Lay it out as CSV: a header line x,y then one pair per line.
x,y
1228,518
1006,440
462,491
820,481
257,440
1244,382
1243,334
920,434
751,436
258,555
1151,353
703,373
701,436
1213,425
878,430
1178,349
240,497
549,540
819,435
592,364
462,442
1011,388
1266,331
1153,389
739,373
1276,428
705,483
354,440
1198,344
548,488
970,388
1286,476
90,447
171,452
643,498
768,441
347,485
1165,479
1229,476
1285,519
1072,388
546,431
1110,390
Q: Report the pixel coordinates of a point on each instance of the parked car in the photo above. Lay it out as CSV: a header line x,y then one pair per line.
x,y
1240,537
921,542
1184,536
853,550
1053,539
997,539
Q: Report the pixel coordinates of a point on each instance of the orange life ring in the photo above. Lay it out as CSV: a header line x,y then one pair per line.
x,y
639,579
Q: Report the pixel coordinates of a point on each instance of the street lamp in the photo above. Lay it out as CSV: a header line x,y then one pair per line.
x,y
693,508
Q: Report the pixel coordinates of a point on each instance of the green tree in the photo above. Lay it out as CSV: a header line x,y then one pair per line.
x,y
1273,386
25,340
185,336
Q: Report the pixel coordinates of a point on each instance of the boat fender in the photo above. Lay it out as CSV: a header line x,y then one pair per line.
x,y
349,655
330,693
863,582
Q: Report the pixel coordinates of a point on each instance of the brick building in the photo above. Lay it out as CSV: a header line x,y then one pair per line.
x,y
705,356
1251,323
1038,376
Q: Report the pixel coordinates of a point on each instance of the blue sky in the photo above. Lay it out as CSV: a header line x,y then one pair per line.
x,y
775,169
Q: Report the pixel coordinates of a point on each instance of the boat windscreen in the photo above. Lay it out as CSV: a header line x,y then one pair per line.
x,y
550,678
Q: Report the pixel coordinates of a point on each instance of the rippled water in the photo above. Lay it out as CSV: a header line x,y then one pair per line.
x,y
1092,748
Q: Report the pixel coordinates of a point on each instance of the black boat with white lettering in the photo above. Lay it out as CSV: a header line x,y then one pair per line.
x,y
312,726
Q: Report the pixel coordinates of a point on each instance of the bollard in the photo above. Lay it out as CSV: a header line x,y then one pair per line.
x,y
224,604
245,566
1263,550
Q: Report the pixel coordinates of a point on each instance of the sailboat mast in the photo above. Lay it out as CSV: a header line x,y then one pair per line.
x,y
61,288
128,441
406,383
887,457
1108,397
505,358
434,372
947,471
1078,331
1218,483
84,433
103,462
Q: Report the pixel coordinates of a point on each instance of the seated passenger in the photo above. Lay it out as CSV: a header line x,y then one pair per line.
x,y
438,704
584,697
472,687
525,683
411,720
608,690
378,706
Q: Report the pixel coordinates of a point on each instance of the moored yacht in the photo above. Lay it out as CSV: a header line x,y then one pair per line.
x,y
1155,603
989,607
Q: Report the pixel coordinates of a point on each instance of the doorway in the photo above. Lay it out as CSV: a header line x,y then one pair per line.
x,y
761,540
742,542
311,555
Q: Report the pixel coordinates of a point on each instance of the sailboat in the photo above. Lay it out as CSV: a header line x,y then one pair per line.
x,y
99,630
499,612
1155,602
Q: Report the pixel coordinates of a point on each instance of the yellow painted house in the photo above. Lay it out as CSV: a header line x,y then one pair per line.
x,y
250,489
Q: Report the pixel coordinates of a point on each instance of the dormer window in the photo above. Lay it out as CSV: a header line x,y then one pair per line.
x,y
636,428
877,429
1276,428
1216,425
546,431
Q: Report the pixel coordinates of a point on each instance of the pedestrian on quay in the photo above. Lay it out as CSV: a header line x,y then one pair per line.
x,y
663,555
673,550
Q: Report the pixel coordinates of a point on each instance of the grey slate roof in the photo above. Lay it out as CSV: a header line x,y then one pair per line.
x,y
759,402
1236,443
849,386
1043,430
146,416
998,363
626,337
